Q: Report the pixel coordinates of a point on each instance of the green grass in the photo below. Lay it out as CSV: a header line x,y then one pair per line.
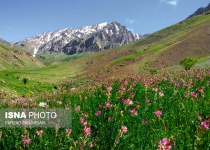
x,y
179,120
12,82
59,57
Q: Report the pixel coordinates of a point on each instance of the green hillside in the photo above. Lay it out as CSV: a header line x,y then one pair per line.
x,y
14,59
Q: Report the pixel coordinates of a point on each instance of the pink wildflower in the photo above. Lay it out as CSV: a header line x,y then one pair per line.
x,y
205,124
166,144
199,117
68,132
194,94
158,113
99,106
177,84
109,119
144,121
165,79
59,103
39,133
90,145
122,89
77,108
109,88
108,105
26,141
87,130
154,89
128,102
133,112
98,113
147,100
201,90
124,129
83,121
81,146
85,115
85,97
161,94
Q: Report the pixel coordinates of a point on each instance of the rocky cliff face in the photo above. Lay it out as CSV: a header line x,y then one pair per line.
x,y
200,11
71,41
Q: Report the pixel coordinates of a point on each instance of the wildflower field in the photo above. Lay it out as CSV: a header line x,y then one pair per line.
x,y
166,110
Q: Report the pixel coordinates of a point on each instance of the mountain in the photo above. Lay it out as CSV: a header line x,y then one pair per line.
x,y
200,11
86,39
3,42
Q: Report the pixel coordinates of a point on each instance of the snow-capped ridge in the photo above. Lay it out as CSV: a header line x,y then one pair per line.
x,y
64,40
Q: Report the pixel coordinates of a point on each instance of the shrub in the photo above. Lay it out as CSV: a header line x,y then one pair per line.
x,y
188,62
25,80
153,71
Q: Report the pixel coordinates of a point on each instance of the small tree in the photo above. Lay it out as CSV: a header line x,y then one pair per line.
x,y
188,62
25,80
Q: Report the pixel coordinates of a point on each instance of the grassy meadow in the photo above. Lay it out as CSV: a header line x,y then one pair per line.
x,y
151,111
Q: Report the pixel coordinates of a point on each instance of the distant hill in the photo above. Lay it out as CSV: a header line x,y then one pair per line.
x,y
3,42
14,59
200,11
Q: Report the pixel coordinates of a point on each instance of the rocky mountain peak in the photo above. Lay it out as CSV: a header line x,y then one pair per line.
x,y
88,38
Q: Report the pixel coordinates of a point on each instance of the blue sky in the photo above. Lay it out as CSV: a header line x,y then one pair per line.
x,y
20,19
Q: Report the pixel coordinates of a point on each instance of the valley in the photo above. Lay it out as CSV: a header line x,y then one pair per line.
x,y
124,90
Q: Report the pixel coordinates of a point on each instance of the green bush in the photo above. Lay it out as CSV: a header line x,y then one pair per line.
x,y
25,80
188,62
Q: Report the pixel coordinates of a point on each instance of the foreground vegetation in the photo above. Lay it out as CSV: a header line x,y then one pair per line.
x,y
167,110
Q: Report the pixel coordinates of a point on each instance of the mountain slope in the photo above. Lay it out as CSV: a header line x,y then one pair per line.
x,y
159,50
162,49
3,42
88,38
14,59
200,11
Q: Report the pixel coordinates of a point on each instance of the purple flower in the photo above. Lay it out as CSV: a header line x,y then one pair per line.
x,y
133,112
122,88
90,145
77,108
199,117
166,144
26,141
144,121
109,88
205,124
87,130
98,113
108,105
68,132
124,129
83,121
158,113
194,94
40,132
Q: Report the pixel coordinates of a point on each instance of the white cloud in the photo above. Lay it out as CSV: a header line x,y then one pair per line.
x,y
131,21
131,29
171,2
10,28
